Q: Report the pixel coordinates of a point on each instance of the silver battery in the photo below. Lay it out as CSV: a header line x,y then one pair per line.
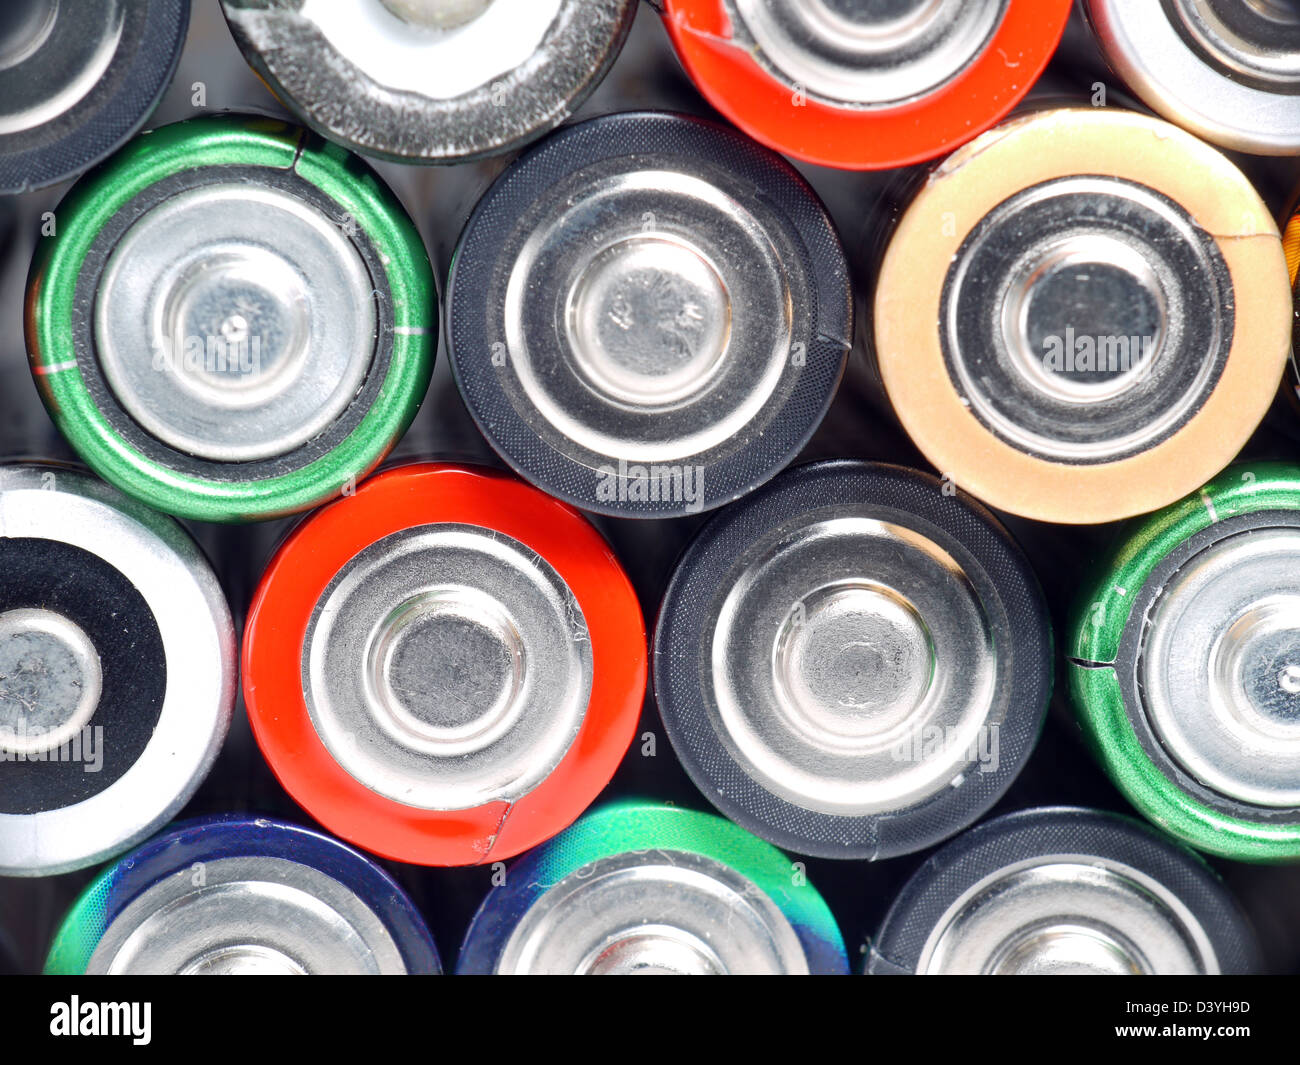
x,y
447,666
235,322
52,55
1068,914
865,53
51,674
1086,319
50,680
77,79
855,667
432,80
1228,70
653,912
1219,667
649,315
247,915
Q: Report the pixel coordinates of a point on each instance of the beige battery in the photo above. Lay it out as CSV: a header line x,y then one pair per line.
x,y
1083,315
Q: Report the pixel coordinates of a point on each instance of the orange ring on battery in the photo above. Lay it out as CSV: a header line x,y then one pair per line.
x,y
304,566
850,138
1291,247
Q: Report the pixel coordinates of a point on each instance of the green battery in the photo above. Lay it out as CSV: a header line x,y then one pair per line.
x,y
1184,665
231,319
644,888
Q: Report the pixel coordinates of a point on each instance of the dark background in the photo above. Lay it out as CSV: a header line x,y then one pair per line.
x,y
859,425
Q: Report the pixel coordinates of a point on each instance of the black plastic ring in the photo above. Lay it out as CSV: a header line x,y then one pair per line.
x,y
786,423
1043,832
82,587
153,35
682,648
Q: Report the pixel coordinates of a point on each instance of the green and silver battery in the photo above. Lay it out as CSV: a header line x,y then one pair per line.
x,y
231,319
639,888
1185,665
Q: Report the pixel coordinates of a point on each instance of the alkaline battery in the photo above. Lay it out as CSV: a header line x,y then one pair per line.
x,y
1064,892
648,314
233,319
1083,315
243,896
77,79
117,670
864,86
1291,247
1226,70
1185,665
643,889
431,81
445,667
853,662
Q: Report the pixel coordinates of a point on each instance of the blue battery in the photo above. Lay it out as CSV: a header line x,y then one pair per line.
x,y
241,895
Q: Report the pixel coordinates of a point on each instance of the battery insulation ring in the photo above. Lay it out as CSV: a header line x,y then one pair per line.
x,y
1103,660
1039,148
637,826
682,649
135,435
183,849
119,623
330,93
1048,831
1206,72
115,107
162,607
736,84
176,156
304,566
784,428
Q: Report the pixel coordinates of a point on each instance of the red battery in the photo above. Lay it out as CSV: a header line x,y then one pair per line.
x,y
830,83
446,666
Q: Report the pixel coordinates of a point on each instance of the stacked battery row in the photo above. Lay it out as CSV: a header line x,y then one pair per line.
x,y
593,553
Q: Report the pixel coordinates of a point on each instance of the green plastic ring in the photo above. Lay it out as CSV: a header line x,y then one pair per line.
x,y
1098,627
243,141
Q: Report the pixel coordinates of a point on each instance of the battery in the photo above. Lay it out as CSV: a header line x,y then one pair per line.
x,y
431,81
117,670
1083,297
240,896
1185,665
853,662
1291,246
648,314
233,320
864,86
1226,70
1062,891
445,667
78,79
638,888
